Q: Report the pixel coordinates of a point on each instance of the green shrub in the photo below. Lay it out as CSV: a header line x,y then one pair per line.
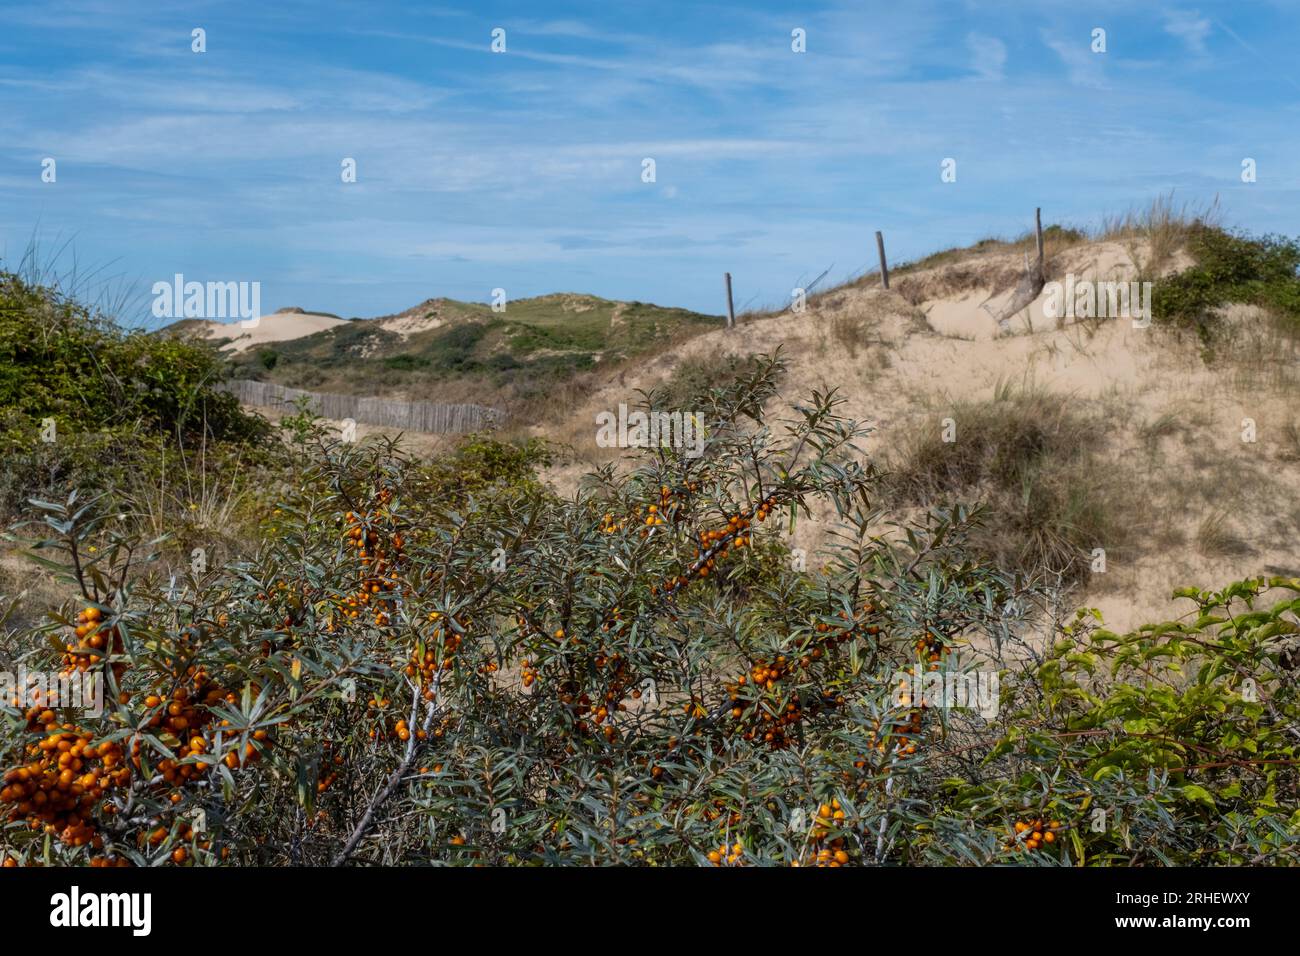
x,y
84,400
407,363
59,360
1172,745
693,378
1232,268
479,464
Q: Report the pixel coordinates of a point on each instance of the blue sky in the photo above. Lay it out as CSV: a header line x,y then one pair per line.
x,y
523,169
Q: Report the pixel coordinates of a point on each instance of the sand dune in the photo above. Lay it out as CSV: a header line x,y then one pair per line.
x,y
931,342
277,327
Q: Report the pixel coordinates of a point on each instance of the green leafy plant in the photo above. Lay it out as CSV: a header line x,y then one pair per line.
x,y
1231,268
85,402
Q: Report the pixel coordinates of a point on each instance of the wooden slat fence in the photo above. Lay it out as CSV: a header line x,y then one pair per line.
x,y
433,417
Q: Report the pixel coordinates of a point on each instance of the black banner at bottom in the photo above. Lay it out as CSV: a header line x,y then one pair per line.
x,y
301,905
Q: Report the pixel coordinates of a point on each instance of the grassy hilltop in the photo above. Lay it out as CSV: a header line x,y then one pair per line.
x,y
443,345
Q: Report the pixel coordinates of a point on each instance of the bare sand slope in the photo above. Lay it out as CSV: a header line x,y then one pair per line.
x,y
1172,421
429,314
973,313
276,327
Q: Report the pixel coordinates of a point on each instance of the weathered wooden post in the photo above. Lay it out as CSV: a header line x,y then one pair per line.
x,y
731,308
1029,287
1038,233
884,266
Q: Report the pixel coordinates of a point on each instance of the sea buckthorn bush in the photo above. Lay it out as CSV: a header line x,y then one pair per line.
x,y
410,669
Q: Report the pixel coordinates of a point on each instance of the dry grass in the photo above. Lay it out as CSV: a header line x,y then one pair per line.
x,y
1256,351
1162,426
1215,537
27,591
851,333
1160,229
956,280
1291,441
1038,464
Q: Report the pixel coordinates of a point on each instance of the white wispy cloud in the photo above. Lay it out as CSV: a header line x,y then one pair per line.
x,y
1082,66
988,55
1190,27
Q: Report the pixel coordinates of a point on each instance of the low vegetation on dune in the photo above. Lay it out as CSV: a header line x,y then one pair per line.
x,y
1153,235
1038,461
1233,268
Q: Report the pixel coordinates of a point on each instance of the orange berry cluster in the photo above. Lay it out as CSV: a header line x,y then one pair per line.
x,y
776,728
829,853
825,640
655,514
669,499
1039,832
654,518
330,763
731,856
578,703
381,558
96,862
186,834
710,540
620,680
94,642
377,703
403,732
613,620
69,773
766,675
932,649
735,529
901,731
233,760
581,707
185,714
718,811
439,653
